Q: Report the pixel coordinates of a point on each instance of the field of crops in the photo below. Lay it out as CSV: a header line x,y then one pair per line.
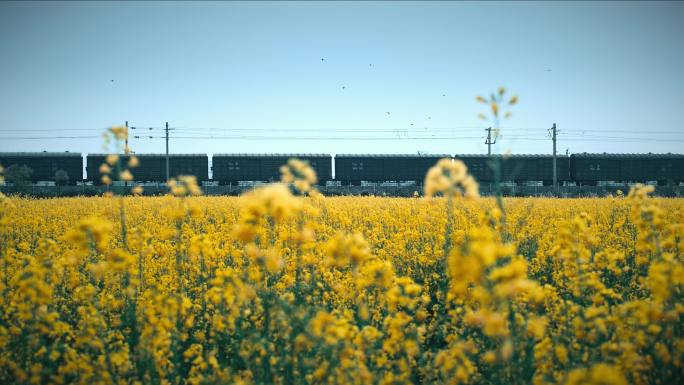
x,y
277,288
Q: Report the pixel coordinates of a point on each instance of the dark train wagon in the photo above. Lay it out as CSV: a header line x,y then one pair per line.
x,y
188,164
355,168
350,168
265,167
663,168
535,168
152,167
517,168
401,168
479,166
44,165
592,168
588,169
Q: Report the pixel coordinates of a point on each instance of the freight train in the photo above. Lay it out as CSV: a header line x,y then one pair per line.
x,y
152,167
580,169
45,165
232,168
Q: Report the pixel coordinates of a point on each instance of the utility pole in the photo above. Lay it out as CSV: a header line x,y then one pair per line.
x,y
555,177
167,150
489,142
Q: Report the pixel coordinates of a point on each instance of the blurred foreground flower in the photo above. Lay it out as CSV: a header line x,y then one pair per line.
x,y
451,179
300,174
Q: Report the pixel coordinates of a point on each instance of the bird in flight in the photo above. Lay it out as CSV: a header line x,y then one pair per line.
x,y
112,80
322,59
388,113
443,94
343,87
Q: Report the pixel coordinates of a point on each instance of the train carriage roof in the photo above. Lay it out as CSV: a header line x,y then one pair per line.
x,y
159,155
508,156
393,156
617,156
41,154
272,155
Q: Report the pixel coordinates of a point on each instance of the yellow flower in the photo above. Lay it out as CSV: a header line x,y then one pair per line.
x,y
105,169
185,185
137,190
600,374
119,132
299,174
345,249
536,327
126,176
451,179
112,159
495,108
270,286
561,353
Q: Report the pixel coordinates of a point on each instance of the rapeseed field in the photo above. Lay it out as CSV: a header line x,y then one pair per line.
x,y
284,286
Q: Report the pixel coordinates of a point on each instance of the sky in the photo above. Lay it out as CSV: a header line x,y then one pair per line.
x,y
341,77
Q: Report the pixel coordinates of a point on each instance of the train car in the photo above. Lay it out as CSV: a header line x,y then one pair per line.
x,y
589,169
188,164
663,168
264,167
479,166
517,168
45,165
535,168
152,167
355,168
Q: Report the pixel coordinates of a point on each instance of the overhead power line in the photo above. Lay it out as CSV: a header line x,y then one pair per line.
x,y
508,131
244,137
373,138
420,127
413,127
93,130
50,130
271,137
48,137
354,134
576,131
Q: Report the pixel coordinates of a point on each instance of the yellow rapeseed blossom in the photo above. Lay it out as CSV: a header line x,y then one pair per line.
x,y
450,178
105,169
299,174
112,159
126,176
137,190
276,288
119,132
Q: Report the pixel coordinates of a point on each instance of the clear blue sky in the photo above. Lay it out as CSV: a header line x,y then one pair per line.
x,y
603,72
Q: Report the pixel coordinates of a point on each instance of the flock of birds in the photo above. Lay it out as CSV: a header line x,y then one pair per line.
x,y
344,87
388,113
